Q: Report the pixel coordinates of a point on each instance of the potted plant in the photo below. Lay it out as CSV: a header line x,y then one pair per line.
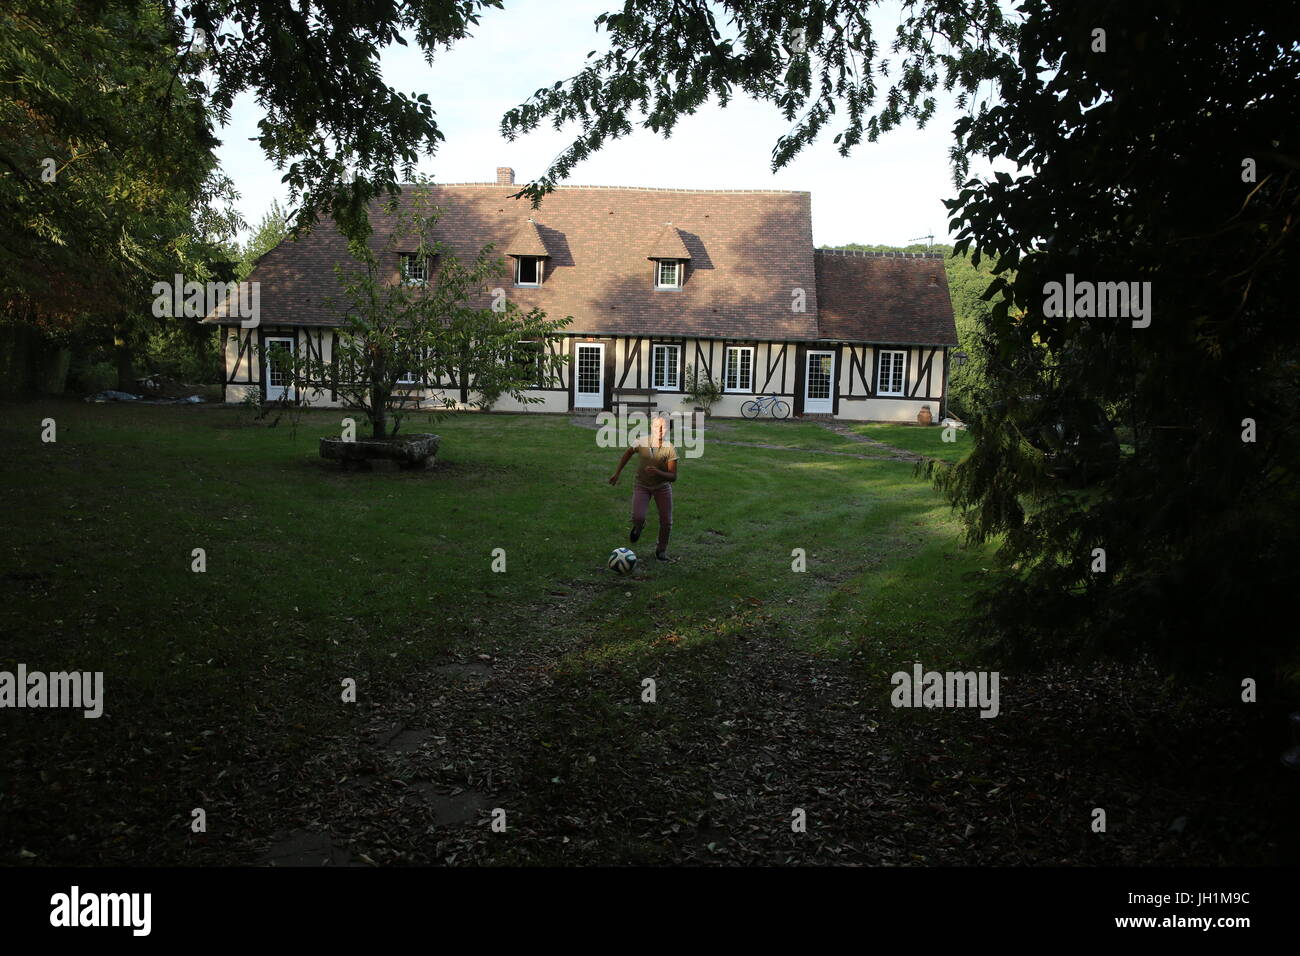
x,y
703,390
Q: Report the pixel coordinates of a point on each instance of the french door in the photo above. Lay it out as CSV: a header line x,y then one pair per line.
x,y
589,376
819,395
279,368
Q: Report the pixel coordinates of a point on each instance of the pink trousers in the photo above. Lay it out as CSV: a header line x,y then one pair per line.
x,y
663,496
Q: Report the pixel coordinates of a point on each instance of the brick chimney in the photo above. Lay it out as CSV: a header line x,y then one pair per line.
x,y
505,176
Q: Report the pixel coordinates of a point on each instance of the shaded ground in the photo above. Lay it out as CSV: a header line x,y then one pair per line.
x,y
523,691
744,732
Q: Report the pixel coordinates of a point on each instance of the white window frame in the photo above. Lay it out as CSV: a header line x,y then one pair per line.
x,y
409,258
519,261
882,369
748,387
677,273
673,368
589,399
288,391
825,405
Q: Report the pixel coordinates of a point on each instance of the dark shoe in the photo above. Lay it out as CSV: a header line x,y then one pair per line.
x,y
662,555
636,532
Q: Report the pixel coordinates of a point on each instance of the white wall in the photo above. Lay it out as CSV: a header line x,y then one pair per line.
x,y
775,371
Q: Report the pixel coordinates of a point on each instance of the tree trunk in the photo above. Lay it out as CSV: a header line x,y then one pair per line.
x,y
122,355
378,413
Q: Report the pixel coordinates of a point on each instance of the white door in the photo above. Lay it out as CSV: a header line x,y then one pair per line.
x,y
589,392
279,368
819,397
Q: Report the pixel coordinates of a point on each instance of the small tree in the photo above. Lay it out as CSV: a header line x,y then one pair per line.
x,y
703,390
409,323
270,230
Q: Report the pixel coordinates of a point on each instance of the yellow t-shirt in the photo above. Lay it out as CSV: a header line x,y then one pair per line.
x,y
648,457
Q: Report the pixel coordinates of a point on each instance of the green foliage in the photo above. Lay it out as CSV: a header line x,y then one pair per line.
x,y
1137,157
430,331
341,133
702,389
817,62
1132,169
267,234
187,352
967,283
110,182
120,99
102,188
94,377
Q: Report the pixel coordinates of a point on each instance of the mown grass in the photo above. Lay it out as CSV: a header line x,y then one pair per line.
x,y
789,433
931,441
306,564
313,573
226,683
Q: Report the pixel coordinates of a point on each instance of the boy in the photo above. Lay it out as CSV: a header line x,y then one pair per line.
x,y
656,471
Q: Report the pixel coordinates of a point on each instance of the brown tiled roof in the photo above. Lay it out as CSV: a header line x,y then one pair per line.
x,y
527,241
885,298
668,245
750,251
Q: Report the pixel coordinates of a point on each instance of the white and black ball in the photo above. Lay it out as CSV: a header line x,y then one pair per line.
x,y
622,561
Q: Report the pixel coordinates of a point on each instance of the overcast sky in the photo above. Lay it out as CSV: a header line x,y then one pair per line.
x,y
885,192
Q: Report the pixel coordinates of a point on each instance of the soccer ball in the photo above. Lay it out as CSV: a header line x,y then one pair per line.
x,y
622,560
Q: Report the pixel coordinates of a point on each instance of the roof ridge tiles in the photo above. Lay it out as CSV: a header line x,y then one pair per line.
x,y
865,253
657,189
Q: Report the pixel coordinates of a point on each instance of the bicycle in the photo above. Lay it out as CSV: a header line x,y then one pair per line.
x,y
755,407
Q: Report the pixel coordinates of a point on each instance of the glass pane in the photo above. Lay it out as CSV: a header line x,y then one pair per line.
x,y
819,376
588,369
279,363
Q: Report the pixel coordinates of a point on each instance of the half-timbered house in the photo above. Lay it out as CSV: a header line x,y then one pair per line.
x,y
656,280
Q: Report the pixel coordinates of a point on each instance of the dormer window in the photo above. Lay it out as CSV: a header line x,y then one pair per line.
x,y
415,269
528,270
670,254
668,274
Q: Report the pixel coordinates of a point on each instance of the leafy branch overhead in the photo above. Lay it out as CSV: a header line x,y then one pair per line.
x,y
342,135
822,64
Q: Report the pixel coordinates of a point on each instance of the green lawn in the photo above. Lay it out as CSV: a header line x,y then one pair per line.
x,y
223,687
788,433
929,440
302,558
